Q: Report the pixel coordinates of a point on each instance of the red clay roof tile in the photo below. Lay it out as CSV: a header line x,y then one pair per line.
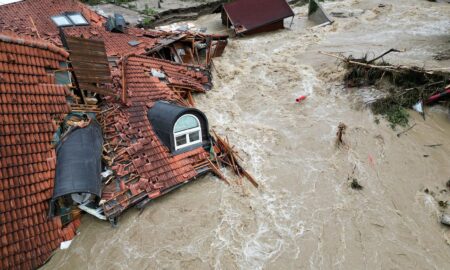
x,y
26,112
19,19
143,154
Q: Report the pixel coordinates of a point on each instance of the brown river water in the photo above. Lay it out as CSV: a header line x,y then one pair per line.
x,y
304,215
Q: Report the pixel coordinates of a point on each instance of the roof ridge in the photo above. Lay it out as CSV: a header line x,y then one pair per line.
x,y
165,61
38,43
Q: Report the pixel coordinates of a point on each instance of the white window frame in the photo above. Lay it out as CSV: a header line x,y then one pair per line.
x,y
187,132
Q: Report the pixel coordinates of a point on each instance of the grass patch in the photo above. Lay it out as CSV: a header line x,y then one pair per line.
x,y
396,115
404,86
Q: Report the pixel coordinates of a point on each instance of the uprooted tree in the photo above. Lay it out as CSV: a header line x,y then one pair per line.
x,y
404,86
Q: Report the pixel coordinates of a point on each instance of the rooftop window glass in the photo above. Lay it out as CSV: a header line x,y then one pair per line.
x,y
69,19
61,20
187,131
77,19
186,122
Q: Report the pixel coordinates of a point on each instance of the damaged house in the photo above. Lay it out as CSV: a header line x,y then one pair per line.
x,y
95,116
31,106
248,17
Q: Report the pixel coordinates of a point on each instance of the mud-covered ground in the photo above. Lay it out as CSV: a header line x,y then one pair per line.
x,y
305,215
135,12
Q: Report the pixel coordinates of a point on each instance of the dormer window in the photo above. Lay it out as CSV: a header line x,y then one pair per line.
x,y
180,129
69,19
187,131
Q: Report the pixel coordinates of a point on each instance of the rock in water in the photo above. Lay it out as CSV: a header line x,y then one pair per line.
x,y
445,219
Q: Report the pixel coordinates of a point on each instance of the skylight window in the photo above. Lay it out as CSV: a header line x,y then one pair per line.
x,y
77,19
70,19
61,20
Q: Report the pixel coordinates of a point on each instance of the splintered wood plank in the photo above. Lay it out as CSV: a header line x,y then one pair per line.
x,y
90,64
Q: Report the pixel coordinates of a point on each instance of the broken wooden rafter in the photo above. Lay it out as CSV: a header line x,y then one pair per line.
x,y
228,157
217,172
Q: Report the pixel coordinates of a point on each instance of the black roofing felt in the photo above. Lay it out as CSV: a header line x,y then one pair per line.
x,y
162,117
78,161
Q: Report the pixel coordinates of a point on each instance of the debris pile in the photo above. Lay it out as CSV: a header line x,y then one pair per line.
x,y
403,86
225,155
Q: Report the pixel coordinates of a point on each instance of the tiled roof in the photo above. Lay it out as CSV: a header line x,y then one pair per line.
x,y
247,15
116,43
30,106
194,77
33,18
138,153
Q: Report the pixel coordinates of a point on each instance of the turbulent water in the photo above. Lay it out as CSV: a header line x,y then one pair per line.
x,y
304,215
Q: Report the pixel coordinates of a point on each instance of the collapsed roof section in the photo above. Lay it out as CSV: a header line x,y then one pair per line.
x,y
34,19
89,64
45,19
255,16
144,166
78,163
31,105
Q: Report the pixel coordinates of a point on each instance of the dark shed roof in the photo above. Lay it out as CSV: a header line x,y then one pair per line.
x,y
251,14
78,162
163,116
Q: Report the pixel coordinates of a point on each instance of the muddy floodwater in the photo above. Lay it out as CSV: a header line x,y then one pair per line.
x,y
304,215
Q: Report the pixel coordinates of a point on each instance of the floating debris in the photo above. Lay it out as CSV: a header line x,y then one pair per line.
x,y
443,204
404,85
340,133
355,184
445,219
317,14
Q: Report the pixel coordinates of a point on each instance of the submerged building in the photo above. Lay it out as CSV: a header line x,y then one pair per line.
x,y
95,116
248,17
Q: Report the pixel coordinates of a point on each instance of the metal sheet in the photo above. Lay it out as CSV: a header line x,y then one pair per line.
x,y
78,162
246,15
317,14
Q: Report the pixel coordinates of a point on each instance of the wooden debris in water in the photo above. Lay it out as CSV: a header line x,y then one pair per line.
x,y
354,182
340,133
406,130
404,85
228,156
